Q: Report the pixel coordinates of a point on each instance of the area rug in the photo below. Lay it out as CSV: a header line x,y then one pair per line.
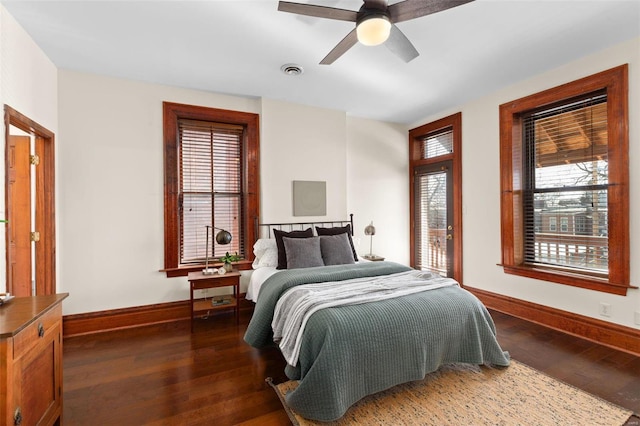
x,y
461,394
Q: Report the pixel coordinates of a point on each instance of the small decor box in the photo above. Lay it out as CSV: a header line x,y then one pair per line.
x,y
217,301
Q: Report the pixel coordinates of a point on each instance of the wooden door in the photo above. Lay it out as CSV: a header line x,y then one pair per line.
x,y
19,215
30,206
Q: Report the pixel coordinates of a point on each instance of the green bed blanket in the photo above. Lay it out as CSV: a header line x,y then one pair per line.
x,y
349,352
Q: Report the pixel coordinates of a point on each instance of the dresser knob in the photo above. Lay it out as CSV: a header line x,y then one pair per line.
x,y
40,330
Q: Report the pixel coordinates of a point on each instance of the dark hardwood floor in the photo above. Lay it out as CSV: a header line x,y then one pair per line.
x,y
164,375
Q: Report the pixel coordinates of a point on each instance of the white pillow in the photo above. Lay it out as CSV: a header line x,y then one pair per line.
x,y
262,245
266,253
269,258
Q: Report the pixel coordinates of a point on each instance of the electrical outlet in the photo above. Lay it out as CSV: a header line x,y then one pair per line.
x,y
636,317
605,309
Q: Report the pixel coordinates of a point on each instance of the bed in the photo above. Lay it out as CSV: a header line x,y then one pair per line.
x,y
340,350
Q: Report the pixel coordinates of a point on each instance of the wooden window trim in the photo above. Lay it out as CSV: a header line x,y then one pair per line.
x,y
615,83
172,112
453,122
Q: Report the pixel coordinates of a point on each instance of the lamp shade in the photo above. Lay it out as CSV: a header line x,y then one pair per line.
x,y
373,30
223,237
370,229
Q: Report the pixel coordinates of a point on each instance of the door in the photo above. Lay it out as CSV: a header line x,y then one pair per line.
x,y
433,218
435,174
30,206
19,216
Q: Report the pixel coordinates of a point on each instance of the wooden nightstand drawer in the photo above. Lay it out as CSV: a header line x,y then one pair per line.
x,y
216,281
35,332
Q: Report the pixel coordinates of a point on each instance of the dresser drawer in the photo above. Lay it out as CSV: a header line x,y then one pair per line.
x,y
32,334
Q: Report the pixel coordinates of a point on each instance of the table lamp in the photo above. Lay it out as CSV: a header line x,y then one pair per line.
x,y
223,238
371,231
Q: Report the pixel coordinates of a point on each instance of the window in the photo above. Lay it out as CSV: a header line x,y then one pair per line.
x,y
564,225
565,184
210,175
211,178
436,144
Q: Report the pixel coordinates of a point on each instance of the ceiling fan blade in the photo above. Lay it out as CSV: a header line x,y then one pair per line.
x,y
399,44
318,11
410,9
344,45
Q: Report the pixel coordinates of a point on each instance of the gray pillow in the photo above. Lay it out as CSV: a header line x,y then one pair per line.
x,y
336,249
339,230
302,252
282,254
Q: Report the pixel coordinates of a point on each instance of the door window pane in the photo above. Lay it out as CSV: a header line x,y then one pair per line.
x,y
431,244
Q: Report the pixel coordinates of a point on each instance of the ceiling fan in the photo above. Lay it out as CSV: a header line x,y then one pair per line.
x,y
375,23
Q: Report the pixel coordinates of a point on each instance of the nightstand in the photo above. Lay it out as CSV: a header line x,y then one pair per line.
x,y
374,258
198,281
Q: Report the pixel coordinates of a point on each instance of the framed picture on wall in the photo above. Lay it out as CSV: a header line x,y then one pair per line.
x,y
309,198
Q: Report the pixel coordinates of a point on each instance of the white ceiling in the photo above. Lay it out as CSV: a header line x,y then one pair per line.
x,y
238,46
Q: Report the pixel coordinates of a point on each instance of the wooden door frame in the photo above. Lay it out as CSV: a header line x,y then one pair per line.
x,y
45,199
453,122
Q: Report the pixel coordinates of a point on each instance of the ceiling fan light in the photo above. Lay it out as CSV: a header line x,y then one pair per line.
x,y
374,30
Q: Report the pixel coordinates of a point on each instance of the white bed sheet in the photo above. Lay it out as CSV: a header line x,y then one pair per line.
x,y
258,276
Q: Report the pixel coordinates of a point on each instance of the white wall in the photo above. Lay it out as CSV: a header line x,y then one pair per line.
x,y
378,191
28,84
364,162
111,181
111,196
301,143
481,191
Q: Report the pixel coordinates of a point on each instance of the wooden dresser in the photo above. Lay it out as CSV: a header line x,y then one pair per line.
x,y
31,361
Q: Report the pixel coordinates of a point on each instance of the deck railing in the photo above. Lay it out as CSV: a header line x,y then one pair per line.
x,y
434,257
584,251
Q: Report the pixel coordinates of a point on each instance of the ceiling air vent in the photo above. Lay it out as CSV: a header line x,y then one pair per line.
x,y
291,69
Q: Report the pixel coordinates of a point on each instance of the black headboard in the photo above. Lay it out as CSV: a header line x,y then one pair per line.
x,y
263,230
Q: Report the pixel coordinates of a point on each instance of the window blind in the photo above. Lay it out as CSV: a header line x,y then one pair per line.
x,y
431,221
210,188
566,182
437,144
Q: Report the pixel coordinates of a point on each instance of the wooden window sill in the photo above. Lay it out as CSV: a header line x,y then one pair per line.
x,y
568,278
183,271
